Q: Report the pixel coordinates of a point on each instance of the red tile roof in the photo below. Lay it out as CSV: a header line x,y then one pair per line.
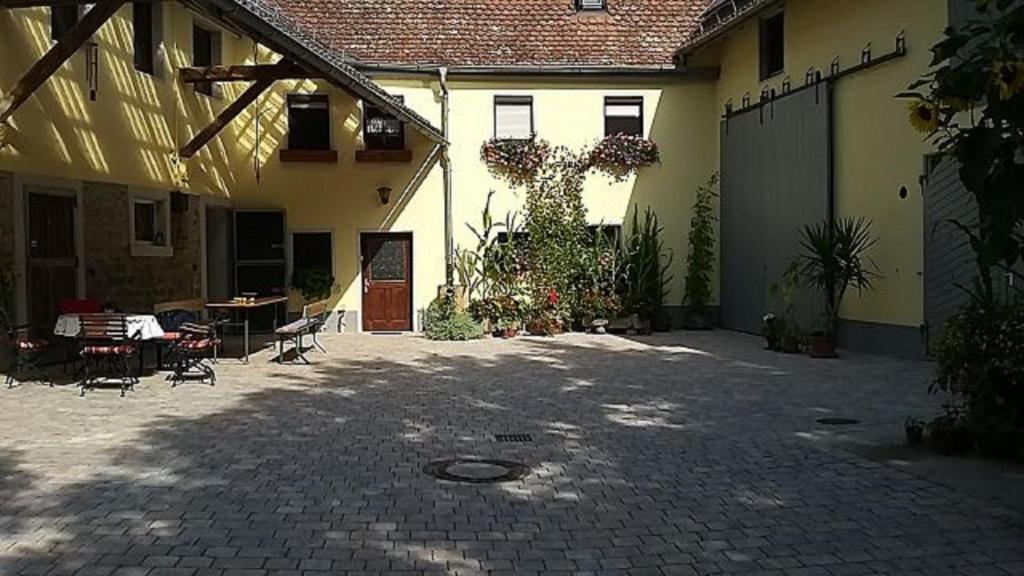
x,y
499,33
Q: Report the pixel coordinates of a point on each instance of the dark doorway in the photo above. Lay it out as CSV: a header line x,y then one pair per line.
x,y
387,282
52,260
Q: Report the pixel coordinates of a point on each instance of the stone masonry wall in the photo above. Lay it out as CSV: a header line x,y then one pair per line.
x,y
135,283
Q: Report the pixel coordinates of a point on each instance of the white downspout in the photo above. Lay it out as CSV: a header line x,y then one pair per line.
x,y
446,167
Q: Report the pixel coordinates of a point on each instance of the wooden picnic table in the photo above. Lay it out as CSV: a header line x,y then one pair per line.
x,y
244,306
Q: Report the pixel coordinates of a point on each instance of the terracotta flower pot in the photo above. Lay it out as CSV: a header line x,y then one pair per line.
x,y
823,346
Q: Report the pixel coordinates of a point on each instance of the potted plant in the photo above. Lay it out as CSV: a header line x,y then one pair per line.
x,y
950,434
784,331
834,258
700,262
771,329
914,429
645,274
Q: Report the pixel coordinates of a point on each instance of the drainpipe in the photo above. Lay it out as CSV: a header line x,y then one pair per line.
x,y
446,167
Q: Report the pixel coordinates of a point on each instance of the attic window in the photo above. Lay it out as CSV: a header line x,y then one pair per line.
x,y
591,5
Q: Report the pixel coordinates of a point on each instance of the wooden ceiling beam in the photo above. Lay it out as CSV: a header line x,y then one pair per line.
x,y
224,118
56,56
245,73
37,3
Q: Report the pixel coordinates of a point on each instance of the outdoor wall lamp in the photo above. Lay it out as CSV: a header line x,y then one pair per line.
x,y
384,193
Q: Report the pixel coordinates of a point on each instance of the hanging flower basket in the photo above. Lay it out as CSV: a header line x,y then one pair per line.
x,y
515,160
621,155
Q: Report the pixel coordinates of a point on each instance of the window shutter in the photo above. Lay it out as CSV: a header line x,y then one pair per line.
x,y
513,118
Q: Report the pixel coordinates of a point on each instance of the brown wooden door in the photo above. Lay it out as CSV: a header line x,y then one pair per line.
x,y
387,282
51,256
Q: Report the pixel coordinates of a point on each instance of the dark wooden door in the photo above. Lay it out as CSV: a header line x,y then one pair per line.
x,y
52,259
387,282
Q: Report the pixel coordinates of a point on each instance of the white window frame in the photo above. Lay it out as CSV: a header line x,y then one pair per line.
x,y
518,100
162,221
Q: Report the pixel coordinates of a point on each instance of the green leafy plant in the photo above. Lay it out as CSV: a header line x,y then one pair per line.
x,y
981,370
313,283
783,332
834,258
700,263
971,104
444,321
621,155
646,263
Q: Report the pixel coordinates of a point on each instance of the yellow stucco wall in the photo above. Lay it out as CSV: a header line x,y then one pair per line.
x,y
876,151
572,114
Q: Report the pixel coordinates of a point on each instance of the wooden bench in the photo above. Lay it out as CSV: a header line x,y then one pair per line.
x,y
313,317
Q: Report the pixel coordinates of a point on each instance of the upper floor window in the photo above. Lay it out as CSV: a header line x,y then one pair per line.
x,y
589,5
773,45
381,130
513,117
309,122
62,20
143,37
624,115
205,52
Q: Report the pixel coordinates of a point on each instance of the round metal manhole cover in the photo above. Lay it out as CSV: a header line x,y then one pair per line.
x,y
476,471
837,421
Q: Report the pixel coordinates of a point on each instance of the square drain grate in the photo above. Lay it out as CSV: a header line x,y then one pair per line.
x,y
513,437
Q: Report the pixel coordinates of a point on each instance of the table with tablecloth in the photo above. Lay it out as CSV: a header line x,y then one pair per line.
x,y
141,326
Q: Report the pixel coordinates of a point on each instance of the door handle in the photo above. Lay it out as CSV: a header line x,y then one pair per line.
x,y
366,285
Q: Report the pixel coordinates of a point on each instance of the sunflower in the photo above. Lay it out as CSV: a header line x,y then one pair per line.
x,y
1009,78
924,116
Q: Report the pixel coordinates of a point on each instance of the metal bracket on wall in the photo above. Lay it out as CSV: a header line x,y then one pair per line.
x,y
814,77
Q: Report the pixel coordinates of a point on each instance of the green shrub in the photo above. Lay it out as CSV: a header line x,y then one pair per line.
x,y
700,264
981,368
444,322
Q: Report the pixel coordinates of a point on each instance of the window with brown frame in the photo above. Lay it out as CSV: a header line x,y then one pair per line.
x,y
309,122
381,130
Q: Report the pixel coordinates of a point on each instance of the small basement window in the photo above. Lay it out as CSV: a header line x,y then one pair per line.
x,y
513,117
381,130
309,122
143,38
62,20
773,46
206,46
624,115
150,221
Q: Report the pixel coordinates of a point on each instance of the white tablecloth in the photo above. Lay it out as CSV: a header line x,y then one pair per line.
x,y
139,325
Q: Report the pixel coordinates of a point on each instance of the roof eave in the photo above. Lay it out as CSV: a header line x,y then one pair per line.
x,y
267,26
704,38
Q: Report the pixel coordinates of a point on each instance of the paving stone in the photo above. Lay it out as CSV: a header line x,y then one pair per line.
x,y
684,453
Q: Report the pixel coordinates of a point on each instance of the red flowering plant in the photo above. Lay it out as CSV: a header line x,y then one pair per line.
x,y
547,318
621,155
515,160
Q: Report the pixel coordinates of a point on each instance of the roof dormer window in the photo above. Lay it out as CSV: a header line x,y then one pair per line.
x,y
591,5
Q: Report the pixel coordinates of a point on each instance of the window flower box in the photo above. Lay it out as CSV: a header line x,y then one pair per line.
x,y
622,155
515,160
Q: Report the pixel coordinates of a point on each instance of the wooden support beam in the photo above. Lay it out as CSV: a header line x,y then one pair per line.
x,y
224,118
57,55
37,3
245,73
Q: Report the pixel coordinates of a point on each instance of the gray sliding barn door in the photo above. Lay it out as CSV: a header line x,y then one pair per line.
x,y
775,179
949,266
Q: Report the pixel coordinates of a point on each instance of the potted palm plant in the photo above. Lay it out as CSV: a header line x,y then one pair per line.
x,y
833,259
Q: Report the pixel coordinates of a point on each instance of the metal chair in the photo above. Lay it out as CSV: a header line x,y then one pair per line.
x,y
106,343
26,352
192,353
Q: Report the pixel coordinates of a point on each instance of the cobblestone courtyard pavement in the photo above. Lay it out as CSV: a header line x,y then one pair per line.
x,y
678,454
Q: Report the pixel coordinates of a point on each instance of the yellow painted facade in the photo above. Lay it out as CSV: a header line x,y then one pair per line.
x,y
876,151
129,134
